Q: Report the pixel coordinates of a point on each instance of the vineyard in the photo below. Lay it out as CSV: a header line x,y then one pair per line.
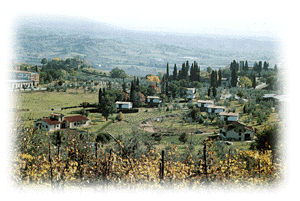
x,y
76,159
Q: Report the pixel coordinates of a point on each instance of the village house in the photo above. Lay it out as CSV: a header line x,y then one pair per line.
x,y
59,121
202,104
229,116
153,100
238,131
24,79
191,93
215,109
123,105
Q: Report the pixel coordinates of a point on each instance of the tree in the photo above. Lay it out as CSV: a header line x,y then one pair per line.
x,y
103,138
107,106
118,73
153,79
266,66
44,61
233,78
267,139
167,80
246,67
208,92
254,81
183,138
220,77
209,69
138,99
245,82
153,86
120,116
214,92
100,95
175,72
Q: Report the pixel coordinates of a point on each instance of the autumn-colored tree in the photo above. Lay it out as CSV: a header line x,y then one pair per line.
x,y
153,86
153,79
138,99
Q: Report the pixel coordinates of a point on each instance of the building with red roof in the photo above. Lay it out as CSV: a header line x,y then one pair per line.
x,y
59,121
238,131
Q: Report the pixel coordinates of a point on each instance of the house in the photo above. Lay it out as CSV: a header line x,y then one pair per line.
x,y
191,93
238,131
123,105
59,121
215,109
229,116
24,79
153,100
202,104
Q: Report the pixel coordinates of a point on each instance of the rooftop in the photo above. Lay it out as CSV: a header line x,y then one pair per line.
x,y
76,118
122,102
229,114
153,97
205,101
217,107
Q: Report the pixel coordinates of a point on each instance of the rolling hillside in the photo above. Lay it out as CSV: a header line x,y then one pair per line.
x,y
139,53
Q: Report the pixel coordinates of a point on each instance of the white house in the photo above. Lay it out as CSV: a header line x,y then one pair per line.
x,y
123,105
215,109
202,104
59,121
238,131
153,100
229,116
191,93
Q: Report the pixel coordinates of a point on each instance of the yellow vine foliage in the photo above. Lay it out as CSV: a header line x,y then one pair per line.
x,y
247,168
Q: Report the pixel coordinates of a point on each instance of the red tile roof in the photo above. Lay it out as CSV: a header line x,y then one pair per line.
x,y
69,119
76,118
51,122
239,123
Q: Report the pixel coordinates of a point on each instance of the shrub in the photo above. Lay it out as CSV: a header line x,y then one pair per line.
x,y
120,116
183,137
135,110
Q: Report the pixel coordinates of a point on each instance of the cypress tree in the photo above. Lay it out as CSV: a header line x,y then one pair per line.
x,y
100,95
214,90
254,81
220,77
167,80
246,68
175,72
208,92
233,78
266,66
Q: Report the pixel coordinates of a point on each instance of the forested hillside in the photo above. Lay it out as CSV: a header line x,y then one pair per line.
x,y
137,53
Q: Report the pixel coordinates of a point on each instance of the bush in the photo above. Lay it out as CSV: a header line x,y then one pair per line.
x,y
183,137
120,116
135,110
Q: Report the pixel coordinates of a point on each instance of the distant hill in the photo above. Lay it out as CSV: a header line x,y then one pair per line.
x,y
140,53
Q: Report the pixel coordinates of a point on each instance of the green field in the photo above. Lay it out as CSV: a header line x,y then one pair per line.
x,y
34,105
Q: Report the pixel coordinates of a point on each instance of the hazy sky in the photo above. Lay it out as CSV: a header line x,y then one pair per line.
x,y
254,18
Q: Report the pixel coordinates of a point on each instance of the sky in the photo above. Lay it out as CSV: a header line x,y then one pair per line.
x,y
231,17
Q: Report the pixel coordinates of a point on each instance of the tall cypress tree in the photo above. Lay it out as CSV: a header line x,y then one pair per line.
x,y
254,81
246,67
266,66
175,72
220,77
100,95
167,80
233,78
187,67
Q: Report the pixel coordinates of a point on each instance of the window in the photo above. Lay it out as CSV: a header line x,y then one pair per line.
x,y
46,126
